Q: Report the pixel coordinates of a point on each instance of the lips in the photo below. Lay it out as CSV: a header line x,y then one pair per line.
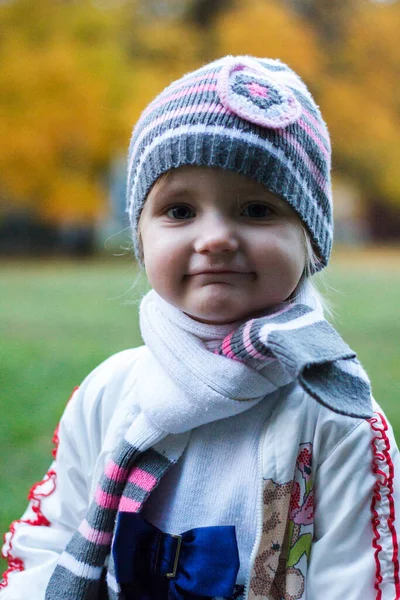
x,y
219,272
219,275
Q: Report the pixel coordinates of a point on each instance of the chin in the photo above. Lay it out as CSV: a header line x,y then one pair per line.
x,y
217,305
217,317
210,320
224,314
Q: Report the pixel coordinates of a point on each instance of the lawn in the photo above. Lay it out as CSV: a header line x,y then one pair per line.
x,y
59,319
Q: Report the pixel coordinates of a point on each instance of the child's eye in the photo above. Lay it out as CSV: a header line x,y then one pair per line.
x,y
257,210
180,212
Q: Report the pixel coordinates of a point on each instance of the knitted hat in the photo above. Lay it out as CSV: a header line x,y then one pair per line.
x,y
249,115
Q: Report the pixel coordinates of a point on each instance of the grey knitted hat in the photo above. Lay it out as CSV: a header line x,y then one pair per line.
x,y
250,115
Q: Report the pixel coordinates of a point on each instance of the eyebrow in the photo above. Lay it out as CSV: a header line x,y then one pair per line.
x,y
167,183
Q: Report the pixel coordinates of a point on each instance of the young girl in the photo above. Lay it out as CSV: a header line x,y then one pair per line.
x,y
238,453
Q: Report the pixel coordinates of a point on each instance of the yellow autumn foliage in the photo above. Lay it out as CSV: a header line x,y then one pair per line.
x,y
361,101
267,28
75,76
56,110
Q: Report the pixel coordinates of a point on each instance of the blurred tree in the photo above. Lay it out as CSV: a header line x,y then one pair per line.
x,y
204,12
329,18
267,28
197,14
361,102
74,77
60,100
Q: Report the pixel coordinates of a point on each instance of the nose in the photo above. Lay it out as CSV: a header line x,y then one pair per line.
x,y
216,234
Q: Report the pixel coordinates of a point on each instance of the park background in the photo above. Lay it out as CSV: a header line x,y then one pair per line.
x,y
74,77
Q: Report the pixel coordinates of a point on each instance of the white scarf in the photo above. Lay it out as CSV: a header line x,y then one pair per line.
x,y
190,385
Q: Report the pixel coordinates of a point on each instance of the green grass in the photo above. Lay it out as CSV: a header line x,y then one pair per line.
x,y
58,320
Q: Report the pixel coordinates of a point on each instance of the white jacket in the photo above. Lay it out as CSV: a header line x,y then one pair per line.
x,y
346,504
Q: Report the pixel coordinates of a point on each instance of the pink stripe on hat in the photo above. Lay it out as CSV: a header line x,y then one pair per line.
x,y
312,135
323,132
194,89
177,85
316,173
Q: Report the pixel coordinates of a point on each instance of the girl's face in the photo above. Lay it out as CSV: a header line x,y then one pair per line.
x,y
218,245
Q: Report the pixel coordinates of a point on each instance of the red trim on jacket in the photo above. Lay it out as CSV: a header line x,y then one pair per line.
x,y
35,498
382,459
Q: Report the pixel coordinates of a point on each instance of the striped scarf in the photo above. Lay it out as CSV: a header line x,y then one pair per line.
x,y
298,337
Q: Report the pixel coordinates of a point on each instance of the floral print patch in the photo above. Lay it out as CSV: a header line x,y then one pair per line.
x,y
281,563
276,507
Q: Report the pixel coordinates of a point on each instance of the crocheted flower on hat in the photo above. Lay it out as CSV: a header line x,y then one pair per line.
x,y
256,94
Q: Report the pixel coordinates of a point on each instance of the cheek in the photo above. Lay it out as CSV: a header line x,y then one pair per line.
x,y
295,254
162,266
297,257
285,256
299,254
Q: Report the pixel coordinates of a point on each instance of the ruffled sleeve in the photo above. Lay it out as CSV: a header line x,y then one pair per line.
x,y
357,506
